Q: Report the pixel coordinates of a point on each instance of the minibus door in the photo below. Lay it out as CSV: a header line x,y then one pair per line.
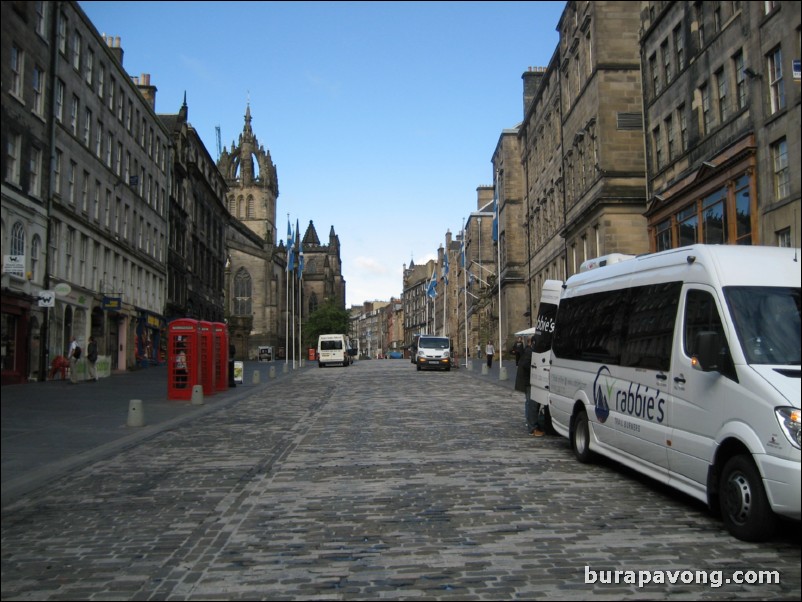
x,y
698,396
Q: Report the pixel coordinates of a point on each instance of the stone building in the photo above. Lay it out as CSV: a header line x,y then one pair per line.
x,y
723,120
582,144
100,176
198,222
26,118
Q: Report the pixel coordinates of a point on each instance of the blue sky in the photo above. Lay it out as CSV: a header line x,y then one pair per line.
x,y
381,117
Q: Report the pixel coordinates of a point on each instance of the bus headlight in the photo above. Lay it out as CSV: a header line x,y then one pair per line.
x,y
789,419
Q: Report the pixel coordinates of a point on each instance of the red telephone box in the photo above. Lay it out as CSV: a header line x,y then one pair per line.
x,y
207,353
183,358
221,363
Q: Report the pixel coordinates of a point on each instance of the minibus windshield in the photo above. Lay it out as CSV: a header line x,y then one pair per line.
x,y
767,322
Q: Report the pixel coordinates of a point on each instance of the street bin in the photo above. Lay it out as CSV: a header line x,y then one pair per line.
x,y
221,356
183,358
208,354
311,354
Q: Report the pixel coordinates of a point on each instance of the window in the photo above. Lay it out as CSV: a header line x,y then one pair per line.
x,y
627,327
62,33
36,246
101,81
670,142
59,100
57,172
784,238
87,128
740,80
90,67
688,226
13,158
74,115
99,140
743,211
683,128
658,148
707,113
782,177
655,74
85,193
700,24
35,175
17,239
721,84
666,62
663,237
242,293
679,48
76,51
17,66
40,8
71,182
714,225
38,91
776,83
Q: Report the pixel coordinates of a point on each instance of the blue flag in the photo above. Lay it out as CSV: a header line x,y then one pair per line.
x,y
290,248
431,289
445,267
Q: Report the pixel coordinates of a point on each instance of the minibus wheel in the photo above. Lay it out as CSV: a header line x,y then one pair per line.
x,y
744,505
580,437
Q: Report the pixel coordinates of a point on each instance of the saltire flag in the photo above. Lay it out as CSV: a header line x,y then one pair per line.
x,y
431,289
445,267
300,260
462,251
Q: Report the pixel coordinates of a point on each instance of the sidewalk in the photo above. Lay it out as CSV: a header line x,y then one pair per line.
x,y
49,428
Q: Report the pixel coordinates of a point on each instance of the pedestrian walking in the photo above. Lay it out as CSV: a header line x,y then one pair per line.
x,y
74,355
91,358
518,349
490,351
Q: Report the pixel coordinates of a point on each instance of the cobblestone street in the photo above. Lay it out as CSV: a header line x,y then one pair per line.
x,y
368,482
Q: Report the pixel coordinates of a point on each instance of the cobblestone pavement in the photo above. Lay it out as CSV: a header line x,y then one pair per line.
x,y
370,482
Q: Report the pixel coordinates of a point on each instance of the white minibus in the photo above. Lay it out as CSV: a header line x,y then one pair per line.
x,y
685,365
333,349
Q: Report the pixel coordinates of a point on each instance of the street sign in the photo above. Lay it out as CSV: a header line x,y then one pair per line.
x,y
14,265
47,299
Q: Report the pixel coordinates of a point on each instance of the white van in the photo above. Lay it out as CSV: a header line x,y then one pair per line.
x,y
333,349
685,366
433,353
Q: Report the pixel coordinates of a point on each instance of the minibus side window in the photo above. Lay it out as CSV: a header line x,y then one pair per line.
x,y
650,329
701,315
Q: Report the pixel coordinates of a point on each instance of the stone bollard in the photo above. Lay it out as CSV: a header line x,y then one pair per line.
x,y
469,364
256,377
197,395
484,369
272,372
136,413
502,373
286,368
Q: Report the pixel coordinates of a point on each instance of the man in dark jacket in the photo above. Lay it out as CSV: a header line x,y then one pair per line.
x,y
522,383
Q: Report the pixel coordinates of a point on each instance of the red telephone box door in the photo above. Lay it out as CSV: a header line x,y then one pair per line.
x,y
183,356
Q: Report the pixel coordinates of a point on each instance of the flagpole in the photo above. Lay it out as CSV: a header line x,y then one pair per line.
x,y
501,372
464,289
287,293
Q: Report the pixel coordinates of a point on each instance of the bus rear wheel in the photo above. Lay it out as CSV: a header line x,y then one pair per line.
x,y
580,437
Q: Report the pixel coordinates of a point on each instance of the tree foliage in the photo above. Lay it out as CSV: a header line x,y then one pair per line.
x,y
327,319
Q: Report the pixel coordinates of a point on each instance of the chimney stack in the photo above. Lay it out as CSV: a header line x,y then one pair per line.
x,y
114,45
532,79
147,91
